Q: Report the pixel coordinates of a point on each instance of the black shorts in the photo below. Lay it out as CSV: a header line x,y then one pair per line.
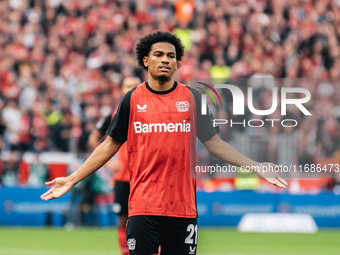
x,y
144,234
121,191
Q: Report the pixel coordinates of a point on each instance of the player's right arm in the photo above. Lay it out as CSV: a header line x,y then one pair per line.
x,y
97,159
117,135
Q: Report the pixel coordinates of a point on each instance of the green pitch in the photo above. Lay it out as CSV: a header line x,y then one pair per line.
x,y
88,241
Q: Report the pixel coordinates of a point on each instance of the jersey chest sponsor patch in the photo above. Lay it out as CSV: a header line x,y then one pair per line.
x,y
140,127
161,116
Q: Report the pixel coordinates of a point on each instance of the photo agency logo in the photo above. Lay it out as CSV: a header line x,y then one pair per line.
x,y
284,98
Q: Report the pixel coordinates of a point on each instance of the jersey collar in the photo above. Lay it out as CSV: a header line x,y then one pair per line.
x,y
160,92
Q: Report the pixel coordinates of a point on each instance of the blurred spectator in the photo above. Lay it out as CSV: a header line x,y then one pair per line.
x,y
12,116
38,173
10,169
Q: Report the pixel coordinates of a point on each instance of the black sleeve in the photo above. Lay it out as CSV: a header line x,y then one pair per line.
x,y
104,123
205,129
119,125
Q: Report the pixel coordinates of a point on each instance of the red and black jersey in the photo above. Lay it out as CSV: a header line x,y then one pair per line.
x,y
123,174
160,129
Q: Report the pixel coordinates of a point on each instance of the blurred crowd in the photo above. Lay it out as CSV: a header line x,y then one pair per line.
x,y
61,62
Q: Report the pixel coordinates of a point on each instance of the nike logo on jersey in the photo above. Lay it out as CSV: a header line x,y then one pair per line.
x,y
141,108
161,127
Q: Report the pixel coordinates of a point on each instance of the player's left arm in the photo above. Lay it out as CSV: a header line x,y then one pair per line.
x,y
229,154
207,134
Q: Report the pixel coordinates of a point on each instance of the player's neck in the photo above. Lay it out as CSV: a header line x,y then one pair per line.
x,y
158,85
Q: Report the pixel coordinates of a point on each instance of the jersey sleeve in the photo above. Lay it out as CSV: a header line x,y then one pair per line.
x,y
104,123
205,129
118,128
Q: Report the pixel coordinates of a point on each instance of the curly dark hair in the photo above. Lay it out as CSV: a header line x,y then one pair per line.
x,y
143,47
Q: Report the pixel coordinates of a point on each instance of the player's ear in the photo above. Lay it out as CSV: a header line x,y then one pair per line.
x,y
146,61
177,65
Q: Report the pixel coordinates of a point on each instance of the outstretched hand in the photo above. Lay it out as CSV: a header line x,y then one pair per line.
x,y
60,187
268,171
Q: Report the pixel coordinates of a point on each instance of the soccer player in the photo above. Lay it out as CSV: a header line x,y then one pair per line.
x,y
120,167
156,119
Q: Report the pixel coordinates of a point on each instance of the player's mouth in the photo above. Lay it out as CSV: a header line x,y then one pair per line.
x,y
165,68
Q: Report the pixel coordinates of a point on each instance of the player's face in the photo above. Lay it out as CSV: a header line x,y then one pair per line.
x,y
129,83
161,61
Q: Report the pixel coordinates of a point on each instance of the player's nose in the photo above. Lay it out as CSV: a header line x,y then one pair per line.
x,y
165,60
